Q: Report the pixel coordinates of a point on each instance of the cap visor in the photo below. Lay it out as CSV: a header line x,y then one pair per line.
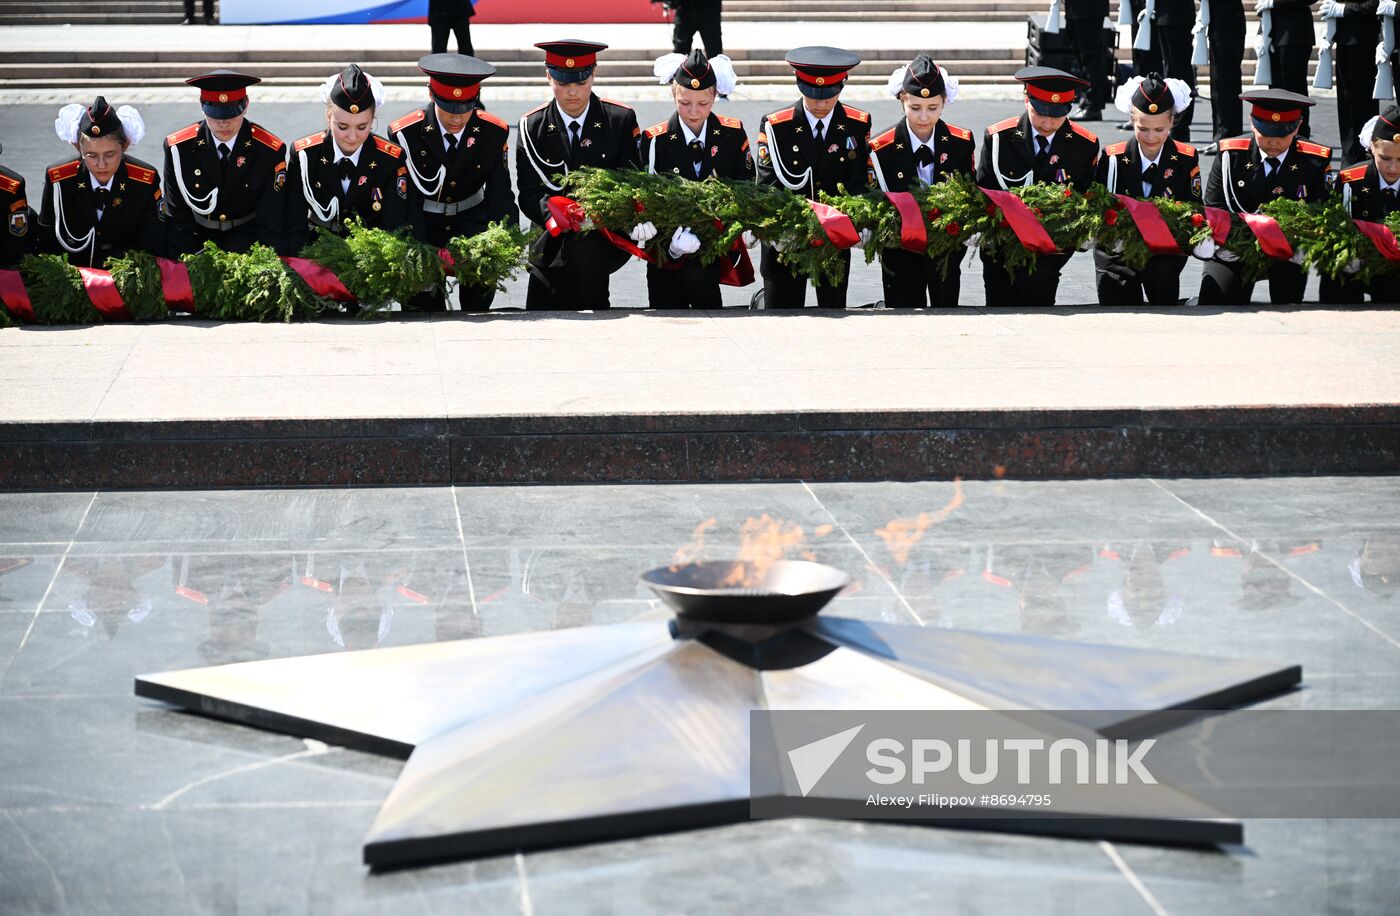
x,y
224,112
819,92
1272,129
569,76
1049,109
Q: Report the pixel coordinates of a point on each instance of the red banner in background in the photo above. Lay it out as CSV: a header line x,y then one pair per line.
x,y
555,11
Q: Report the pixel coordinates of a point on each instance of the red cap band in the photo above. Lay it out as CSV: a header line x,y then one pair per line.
x,y
454,93
827,79
222,96
1278,117
577,62
1063,96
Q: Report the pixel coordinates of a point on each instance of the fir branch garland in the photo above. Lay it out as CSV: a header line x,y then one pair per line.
x,y
137,278
492,256
952,211
56,291
377,266
1185,220
255,286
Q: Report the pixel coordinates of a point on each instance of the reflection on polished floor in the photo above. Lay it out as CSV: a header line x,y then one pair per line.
x,y
114,804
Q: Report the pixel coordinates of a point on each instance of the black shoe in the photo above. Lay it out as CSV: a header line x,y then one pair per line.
x,y
188,21
1085,113
1126,125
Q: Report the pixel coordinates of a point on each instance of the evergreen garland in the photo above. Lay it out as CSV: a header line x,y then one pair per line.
x,y
1184,218
492,256
137,278
1071,219
56,291
255,286
377,266
953,213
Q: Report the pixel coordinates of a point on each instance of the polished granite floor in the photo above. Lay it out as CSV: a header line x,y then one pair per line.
x,y
110,804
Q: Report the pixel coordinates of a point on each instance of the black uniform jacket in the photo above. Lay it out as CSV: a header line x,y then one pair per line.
x,y
131,217
476,184
378,192
15,237
1292,24
894,168
249,202
1175,13
1306,175
608,140
787,149
725,154
1074,154
1178,170
1361,185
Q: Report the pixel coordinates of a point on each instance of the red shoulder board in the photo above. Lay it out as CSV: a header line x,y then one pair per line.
x,y
779,117
1355,173
408,120
541,107
855,114
307,142
618,104
1234,144
266,138
489,118
9,185
1004,125
962,133
1314,149
655,130
388,148
183,134
882,141
1186,148
727,121
1116,149
1083,131
67,170
137,173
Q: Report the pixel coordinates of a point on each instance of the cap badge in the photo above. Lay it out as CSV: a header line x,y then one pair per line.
x,y
456,93
821,81
1152,108
223,96
924,92
1054,96
694,84
568,61
96,130
1395,139
354,109
1277,116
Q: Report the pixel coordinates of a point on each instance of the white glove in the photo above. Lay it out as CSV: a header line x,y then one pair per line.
x,y
865,236
1386,8
1227,256
1297,257
684,242
643,233
779,246
1206,249
1383,58
1117,246
1353,266
972,240
1263,5
750,239
1261,47
1331,9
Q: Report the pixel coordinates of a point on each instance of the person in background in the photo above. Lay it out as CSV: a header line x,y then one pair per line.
x,y
1358,30
451,17
1225,43
693,16
1086,32
14,204
1290,47
1172,32
693,144
920,150
1371,192
208,12
100,203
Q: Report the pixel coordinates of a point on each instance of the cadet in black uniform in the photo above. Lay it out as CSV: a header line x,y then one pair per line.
x,y
224,175
346,171
1172,33
101,203
1291,41
1086,31
1251,171
1226,44
571,270
693,144
1358,30
1148,60
1371,192
1151,164
1042,145
815,145
921,149
15,238
451,17
458,177
701,16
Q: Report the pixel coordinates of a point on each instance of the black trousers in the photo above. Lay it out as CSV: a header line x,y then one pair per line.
x,y
462,28
438,230
572,272
690,285
701,16
1221,285
1087,35
1159,282
208,9
1355,78
913,281
1149,61
1354,292
1022,287
1175,43
1226,40
782,289
1290,64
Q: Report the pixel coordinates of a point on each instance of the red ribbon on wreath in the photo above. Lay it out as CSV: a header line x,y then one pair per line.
x,y
837,225
1028,229
175,285
1154,229
103,293
1380,236
1272,241
322,280
15,295
1219,221
913,236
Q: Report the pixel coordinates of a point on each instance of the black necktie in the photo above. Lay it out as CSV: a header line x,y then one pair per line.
x,y
1271,166
817,132
1388,197
1042,152
1149,177
573,141
102,198
346,168
223,159
924,156
451,148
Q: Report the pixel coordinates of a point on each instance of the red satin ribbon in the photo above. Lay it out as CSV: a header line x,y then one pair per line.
x,y
565,215
1380,236
1148,219
913,236
837,225
1219,221
103,293
175,284
1272,241
735,267
322,280
15,296
1022,221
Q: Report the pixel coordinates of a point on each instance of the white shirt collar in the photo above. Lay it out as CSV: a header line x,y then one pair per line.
x,y
568,120
915,142
1049,139
101,187
1280,157
1154,160
689,135
813,119
1393,186
353,157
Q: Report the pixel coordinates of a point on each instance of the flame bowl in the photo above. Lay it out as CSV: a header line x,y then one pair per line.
x,y
787,592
